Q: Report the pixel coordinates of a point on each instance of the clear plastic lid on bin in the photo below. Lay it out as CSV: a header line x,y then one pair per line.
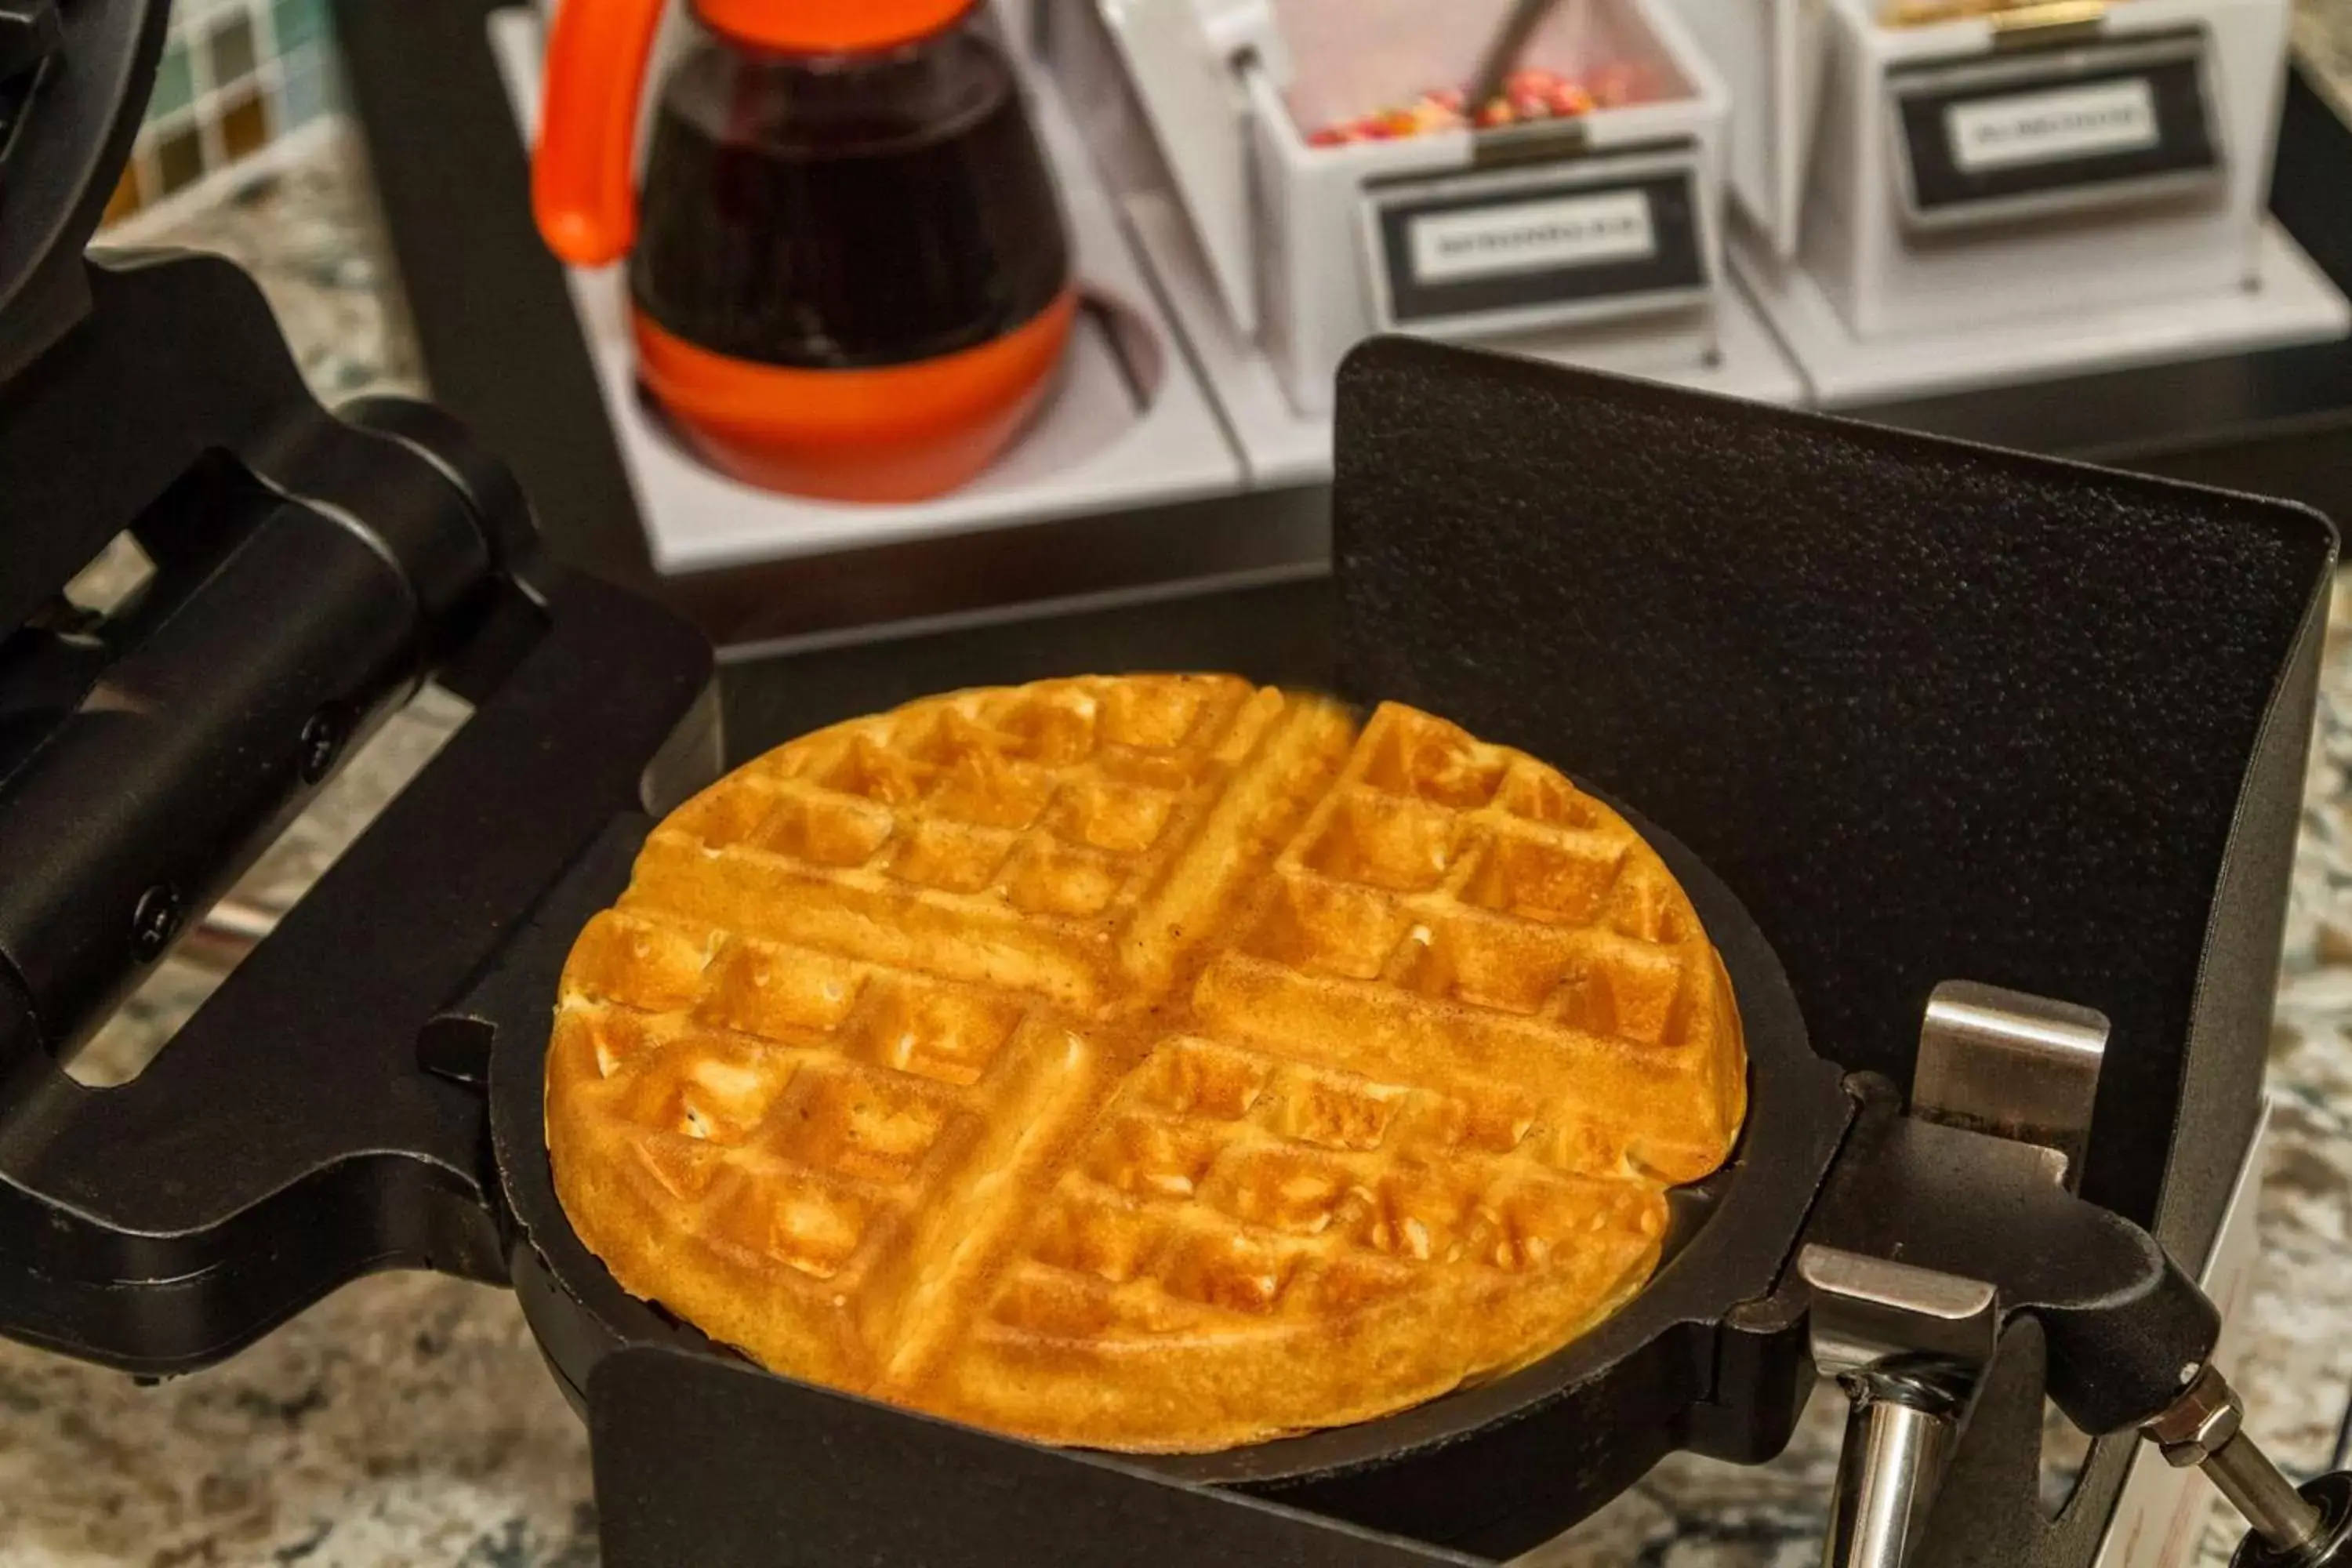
x,y
1366,70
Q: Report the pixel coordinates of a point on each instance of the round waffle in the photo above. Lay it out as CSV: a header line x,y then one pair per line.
x,y
1147,1063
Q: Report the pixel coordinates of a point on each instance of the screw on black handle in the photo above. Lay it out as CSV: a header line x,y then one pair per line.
x,y
2205,1426
2330,1546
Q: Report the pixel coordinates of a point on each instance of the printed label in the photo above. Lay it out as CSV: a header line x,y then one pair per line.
x,y
1533,237
2049,127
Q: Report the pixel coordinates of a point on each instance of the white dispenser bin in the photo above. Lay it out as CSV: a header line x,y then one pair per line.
x,y
1994,193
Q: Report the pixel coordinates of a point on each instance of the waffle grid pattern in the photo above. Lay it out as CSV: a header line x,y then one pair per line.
x,y
1153,1012
1317,1196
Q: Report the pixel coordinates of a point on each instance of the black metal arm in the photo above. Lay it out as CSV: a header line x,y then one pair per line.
x,y
1918,1214
310,572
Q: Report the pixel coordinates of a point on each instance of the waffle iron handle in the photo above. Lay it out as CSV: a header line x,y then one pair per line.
x,y
1958,1217
2026,1068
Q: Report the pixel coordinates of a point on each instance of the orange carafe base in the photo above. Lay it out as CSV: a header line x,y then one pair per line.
x,y
901,433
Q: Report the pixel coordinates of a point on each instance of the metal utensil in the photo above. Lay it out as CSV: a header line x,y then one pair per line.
x,y
1510,41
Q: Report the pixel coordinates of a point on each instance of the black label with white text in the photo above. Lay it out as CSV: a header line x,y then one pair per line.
x,y
2095,129
1517,248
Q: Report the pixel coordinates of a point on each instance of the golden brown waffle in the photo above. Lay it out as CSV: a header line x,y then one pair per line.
x,y
1144,1063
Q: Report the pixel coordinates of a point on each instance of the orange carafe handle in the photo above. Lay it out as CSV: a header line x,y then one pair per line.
x,y
584,175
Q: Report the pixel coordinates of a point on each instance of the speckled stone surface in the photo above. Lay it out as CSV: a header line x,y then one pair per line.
x,y
407,1421
313,237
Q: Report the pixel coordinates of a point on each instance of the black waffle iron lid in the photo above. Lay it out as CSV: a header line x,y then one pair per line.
x,y
1933,711
74,81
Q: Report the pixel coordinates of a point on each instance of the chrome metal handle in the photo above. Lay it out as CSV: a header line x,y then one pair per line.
x,y
1906,1344
1887,1472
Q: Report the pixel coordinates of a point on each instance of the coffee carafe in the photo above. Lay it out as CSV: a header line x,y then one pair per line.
x,y
848,266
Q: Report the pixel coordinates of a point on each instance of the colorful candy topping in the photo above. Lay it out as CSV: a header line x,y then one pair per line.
x,y
1529,96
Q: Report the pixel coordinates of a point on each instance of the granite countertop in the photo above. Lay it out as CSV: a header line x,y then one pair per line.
x,y
408,1421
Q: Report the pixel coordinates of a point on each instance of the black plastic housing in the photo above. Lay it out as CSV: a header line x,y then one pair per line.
x,y
1932,711
309,1123
74,81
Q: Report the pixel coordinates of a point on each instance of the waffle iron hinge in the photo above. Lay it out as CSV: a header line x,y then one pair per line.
x,y
311,570
1950,1224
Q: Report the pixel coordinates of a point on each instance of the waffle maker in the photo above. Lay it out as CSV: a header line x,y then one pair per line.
x,y
1981,769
